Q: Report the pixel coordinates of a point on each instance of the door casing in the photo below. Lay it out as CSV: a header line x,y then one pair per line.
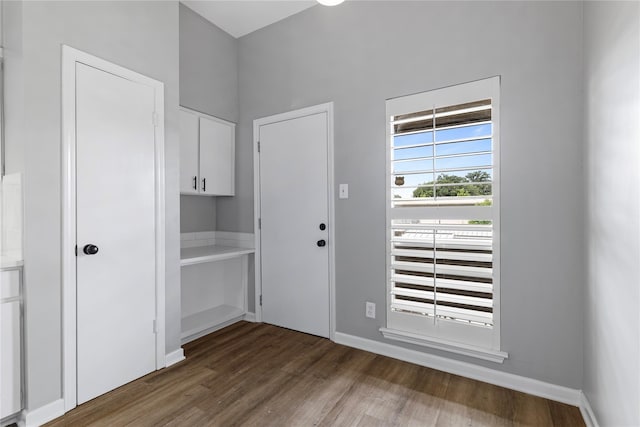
x,y
70,57
321,108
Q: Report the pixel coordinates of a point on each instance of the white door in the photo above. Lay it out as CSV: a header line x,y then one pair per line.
x,y
115,198
294,215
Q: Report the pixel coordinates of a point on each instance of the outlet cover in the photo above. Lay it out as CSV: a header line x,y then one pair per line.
x,y
371,310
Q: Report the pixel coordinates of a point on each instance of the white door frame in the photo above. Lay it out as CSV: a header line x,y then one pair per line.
x,y
316,109
70,57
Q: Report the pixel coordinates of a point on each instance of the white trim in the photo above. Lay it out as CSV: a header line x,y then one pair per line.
x,y
316,109
250,317
440,344
257,259
451,95
69,58
503,379
587,412
174,357
44,414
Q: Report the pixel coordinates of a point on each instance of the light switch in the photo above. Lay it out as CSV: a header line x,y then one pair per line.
x,y
344,191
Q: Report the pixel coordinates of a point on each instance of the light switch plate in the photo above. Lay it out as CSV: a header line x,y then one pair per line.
x,y
344,191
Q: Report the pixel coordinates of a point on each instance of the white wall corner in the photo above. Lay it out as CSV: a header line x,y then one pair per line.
x,y
174,357
503,379
250,317
44,414
587,412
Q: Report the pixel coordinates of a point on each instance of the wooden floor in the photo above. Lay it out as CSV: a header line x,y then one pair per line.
x,y
260,375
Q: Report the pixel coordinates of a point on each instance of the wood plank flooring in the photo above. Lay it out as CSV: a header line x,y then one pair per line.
x,y
260,375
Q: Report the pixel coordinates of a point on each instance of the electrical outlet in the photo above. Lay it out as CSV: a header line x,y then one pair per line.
x,y
371,310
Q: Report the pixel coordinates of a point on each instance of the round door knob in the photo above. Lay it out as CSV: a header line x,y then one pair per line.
x,y
90,249
321,243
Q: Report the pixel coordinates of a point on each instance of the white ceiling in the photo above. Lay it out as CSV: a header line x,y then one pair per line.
x,y
240,17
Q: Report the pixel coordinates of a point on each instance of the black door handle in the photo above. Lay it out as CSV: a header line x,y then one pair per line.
x,y
321,243
90,249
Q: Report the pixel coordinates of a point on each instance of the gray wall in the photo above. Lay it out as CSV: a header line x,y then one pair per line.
x,y
612,124
361,53
197,213
142,36
209,84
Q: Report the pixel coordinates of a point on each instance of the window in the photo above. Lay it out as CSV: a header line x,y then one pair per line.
x,y
443,219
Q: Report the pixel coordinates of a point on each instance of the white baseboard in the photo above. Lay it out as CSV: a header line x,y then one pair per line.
x,y
250,317
174,357
587,413
44,414
515,382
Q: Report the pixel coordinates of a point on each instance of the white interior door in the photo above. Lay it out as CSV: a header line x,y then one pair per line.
x,y
293,204
115,199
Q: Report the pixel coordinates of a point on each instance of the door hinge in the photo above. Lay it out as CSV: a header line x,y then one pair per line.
x,y
260,300
258,146
259,223
76,250
154,118
155,326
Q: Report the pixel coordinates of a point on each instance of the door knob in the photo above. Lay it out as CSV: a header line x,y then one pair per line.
x,y
90,249
321,243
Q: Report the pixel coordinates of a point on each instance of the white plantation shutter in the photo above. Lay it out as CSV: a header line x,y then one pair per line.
x,y
443,271
443,215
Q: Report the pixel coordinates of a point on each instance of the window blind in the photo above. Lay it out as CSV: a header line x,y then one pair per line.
x,y
441,214
442,268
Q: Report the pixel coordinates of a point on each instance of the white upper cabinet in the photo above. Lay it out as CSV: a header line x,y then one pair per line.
x,y
207,154
189,153
217,157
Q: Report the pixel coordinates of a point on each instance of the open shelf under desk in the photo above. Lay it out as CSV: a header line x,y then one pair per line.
x,y
224,311
210,320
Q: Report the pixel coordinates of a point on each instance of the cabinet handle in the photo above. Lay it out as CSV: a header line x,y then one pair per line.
x,y
204,184
195,182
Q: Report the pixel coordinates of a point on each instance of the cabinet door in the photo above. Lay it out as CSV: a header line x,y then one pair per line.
x,y
217,157
189,182
10,359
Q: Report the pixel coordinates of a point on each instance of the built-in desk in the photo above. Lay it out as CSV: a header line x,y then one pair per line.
x,y
214,288
197,255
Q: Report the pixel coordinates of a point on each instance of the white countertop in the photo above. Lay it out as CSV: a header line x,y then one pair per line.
x,y
9,262
200,254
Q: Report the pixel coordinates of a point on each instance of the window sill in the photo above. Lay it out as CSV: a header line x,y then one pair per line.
x,y
450,346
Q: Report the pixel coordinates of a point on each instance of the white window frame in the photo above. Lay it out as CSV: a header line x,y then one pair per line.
x,y
470,340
